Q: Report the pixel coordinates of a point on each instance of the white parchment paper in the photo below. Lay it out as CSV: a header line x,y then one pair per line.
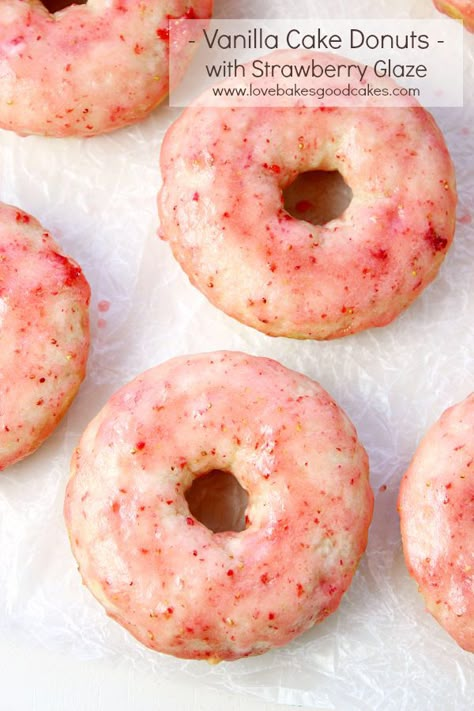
x,y
381,650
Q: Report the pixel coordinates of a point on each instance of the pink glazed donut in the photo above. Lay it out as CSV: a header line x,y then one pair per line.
x,y
86,69
176,586
44,301
459,10
222,210
436,506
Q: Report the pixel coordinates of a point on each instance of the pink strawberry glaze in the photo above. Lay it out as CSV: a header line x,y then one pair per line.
x,y
88,68
44,300
436,505
175,585
221,210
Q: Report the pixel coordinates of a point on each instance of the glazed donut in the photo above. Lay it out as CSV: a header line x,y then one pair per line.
x,y
175,585
436,506
459,10
87,69
44,300
222,212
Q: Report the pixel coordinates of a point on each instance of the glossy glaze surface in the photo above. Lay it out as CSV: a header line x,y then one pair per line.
x,y
86,69
44,333
436,505
175,585
221,210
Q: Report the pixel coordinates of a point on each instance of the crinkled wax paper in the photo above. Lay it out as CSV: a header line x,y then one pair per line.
x,y
380,650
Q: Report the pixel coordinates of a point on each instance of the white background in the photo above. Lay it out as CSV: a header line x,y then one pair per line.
x,y
34,680
380,650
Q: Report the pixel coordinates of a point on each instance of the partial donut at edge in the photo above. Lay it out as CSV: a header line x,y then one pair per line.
x,y
87,69
436,506
44,333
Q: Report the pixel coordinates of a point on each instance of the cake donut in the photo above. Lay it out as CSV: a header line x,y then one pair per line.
x,y
44,333
222,209
175,585
436,506
459,10
88,68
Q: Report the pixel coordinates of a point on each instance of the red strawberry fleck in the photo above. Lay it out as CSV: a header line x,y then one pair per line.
x,y
436,242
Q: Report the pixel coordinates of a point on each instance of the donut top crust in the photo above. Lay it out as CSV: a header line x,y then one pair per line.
x,y
436,505
88,68
221,210
44,333
175,585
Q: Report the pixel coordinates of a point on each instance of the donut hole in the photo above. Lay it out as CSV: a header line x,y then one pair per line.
x,y
218,501
317,196
56,5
